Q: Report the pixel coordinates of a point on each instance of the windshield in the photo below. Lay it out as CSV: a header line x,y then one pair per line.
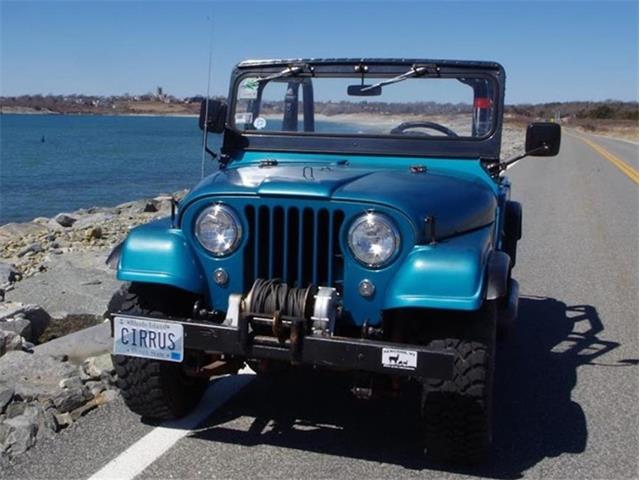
x,y
416,104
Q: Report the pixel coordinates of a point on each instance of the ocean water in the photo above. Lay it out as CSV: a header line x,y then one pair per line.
x,y
59,163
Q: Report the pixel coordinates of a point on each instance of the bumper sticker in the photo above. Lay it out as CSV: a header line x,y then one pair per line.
x,y
402,359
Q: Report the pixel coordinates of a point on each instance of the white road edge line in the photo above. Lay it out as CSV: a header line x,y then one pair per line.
x,y
135,459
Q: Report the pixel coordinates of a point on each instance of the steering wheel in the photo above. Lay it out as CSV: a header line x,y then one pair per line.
x,y
400,129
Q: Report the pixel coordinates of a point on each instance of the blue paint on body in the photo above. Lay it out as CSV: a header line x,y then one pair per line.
x,y
459,193
157,253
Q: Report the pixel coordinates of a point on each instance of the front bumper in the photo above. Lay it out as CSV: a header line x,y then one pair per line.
x,y
342,353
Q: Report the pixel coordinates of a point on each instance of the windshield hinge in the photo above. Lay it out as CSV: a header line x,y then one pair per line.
x,y
269,162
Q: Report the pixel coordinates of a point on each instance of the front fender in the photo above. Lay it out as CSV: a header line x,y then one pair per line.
x,y
447,275
157,253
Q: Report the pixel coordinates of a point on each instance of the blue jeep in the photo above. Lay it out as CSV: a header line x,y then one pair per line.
x,y
359,222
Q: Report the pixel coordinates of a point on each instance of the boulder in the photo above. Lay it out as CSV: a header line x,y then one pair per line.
x,y
35,314
69,399
10,341
150,207
15,409
33,375
65,219
19,325
20,434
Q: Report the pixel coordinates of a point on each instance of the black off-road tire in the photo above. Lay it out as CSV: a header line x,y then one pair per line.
x,y
457,413
155,389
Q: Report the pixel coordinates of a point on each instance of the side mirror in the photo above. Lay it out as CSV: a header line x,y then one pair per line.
x,y
213,114
543,139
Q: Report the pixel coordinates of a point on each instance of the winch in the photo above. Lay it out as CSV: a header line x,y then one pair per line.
x,y
274,305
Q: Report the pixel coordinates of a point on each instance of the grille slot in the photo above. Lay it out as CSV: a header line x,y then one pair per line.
x,y
299,245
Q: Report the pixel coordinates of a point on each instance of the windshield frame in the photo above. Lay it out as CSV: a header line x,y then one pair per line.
x,y
485,147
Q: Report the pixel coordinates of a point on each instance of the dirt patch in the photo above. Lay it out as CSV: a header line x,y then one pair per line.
x,y
59,327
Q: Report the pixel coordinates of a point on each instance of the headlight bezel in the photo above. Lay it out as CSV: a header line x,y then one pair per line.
x,y
231,213
385,219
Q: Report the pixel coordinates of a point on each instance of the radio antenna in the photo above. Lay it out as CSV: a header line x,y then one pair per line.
x,y
206,108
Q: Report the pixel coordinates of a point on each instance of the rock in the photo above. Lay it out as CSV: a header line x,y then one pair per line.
x,y
6,395
33,375
96,388
10,340
35,314
63,419
93,232
150,207
65,219
21,434
8,273
70,398
109,395
71,382
96,366
15,409
19,325
30,250
49,421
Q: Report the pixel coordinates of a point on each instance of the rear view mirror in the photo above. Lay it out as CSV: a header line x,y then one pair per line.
x,y
363,91
543,139
213,114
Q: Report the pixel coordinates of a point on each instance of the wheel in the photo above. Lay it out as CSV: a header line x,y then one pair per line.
x,y
155,389
457,413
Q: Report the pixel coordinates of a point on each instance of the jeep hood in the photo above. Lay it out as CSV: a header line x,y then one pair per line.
x,y
458,202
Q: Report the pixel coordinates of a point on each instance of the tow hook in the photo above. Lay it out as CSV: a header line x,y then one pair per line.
x,y
362,387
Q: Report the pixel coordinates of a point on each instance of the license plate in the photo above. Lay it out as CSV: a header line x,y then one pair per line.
x,y
138,337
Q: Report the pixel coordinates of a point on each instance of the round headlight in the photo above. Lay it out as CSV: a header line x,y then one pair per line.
x,y
219,230
374,239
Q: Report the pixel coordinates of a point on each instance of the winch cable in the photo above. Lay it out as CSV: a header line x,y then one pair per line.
x,y
270,296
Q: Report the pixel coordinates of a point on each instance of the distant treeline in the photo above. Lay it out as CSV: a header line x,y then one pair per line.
x,y
605,110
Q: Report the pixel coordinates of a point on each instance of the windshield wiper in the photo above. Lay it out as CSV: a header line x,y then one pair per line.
x,y
287,72
416,71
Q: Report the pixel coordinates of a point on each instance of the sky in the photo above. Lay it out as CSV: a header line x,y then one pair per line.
x,y
551,50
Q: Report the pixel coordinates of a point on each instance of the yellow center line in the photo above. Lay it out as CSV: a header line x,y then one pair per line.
x,y
622,166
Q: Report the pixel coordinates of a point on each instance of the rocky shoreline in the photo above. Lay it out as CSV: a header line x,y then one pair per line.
x,y
54,281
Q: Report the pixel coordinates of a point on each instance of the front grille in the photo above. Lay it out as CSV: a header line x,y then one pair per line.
x,y
298,245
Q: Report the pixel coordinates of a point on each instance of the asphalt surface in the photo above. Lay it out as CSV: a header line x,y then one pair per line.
x,y
566,398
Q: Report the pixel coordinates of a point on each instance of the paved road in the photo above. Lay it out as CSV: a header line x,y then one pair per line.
x,y
566,387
